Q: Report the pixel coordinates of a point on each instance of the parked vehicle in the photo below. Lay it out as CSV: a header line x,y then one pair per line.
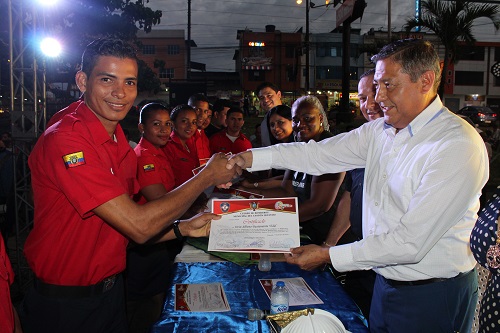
x,y
479,114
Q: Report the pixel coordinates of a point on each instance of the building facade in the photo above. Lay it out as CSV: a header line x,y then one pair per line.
x,y
272,56
167,50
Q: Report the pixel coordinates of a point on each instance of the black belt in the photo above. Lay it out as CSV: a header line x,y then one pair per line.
x,y
53,290
395,283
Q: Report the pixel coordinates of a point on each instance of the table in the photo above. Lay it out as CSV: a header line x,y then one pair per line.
x,y
244,291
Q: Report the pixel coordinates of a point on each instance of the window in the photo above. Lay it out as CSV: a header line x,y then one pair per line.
x,y
290,51
290,73
166,73
173,49
329,50
256,75
354,51
471,53
148,49
463,78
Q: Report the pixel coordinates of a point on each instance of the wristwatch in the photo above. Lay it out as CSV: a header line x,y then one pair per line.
x,y
256,184
177,232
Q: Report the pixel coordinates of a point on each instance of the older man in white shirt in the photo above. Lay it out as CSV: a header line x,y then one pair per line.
x,y
425,168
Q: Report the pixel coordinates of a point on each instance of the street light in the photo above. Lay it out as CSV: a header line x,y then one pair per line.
x,y
50,47
48,2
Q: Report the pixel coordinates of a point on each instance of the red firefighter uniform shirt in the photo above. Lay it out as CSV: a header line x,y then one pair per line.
x,y
220,143
153,167
182,160
6,279
202,146
75,167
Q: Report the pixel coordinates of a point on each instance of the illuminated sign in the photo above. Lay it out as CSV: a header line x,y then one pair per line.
x,y
256,44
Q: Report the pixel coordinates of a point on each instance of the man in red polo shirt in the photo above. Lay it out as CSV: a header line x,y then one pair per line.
x,y
199,103
83,176
231,140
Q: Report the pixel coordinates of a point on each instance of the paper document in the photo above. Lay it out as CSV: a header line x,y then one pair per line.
x,y
298,290
203,297
255,225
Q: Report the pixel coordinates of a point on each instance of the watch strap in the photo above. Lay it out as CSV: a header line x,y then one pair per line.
x,y
177,232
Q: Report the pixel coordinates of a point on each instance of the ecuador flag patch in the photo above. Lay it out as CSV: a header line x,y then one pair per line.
x,y
74,159
149,167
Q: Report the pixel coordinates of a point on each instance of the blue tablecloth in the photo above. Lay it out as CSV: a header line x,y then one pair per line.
x,y
244,291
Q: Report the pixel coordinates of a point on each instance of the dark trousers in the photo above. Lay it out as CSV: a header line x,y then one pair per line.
x,y
359,285
103,313
446,306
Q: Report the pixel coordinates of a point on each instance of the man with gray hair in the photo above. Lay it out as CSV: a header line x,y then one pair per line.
x,y
424,171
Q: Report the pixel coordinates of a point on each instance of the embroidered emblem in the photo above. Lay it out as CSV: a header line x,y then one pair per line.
x,y
74,159
149,167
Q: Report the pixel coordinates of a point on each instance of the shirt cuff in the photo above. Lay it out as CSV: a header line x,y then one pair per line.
x,y
341,257
262,158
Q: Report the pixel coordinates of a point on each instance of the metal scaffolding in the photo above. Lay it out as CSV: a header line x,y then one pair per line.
x,y
28,116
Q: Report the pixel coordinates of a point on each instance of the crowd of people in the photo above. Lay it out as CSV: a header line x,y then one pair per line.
x,y
390,204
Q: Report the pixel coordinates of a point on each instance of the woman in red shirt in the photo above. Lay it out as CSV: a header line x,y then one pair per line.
x,y
149,265
181,149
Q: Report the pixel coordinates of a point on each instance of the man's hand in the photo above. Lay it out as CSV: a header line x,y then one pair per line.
x,y
198,225
242,160
308,257
219,173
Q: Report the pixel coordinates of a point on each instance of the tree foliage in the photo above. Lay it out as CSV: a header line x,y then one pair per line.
x,y
78,22
452,22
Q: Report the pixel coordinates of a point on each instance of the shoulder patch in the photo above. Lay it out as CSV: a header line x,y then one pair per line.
x,y
148,167
74,159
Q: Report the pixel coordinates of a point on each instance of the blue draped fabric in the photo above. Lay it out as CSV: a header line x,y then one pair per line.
x,y
244,291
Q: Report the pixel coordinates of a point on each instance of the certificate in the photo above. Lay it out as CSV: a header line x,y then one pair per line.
x,y
255,225
299,292
202,297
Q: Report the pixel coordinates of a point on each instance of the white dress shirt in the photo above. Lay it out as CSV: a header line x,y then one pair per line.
x,y
420,196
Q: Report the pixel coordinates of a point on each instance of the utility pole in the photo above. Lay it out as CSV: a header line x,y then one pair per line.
x,y
188,48
307,45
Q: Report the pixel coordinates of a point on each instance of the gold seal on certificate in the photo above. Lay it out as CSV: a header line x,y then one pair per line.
x,y
255,225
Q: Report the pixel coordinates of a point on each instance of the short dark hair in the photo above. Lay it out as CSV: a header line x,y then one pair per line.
x,y
234,109
266,85
415,56
148,109
106,47
281,110
220,104
367,73
197,98
178,109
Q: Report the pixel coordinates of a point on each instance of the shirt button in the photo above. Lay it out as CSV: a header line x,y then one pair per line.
x,y
384,176
376,203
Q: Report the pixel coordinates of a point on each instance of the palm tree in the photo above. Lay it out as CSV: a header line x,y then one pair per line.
x,y
452,22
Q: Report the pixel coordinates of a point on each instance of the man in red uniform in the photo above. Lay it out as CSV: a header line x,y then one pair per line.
x,y
231,140
199,103
9,321
83,176
220,108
